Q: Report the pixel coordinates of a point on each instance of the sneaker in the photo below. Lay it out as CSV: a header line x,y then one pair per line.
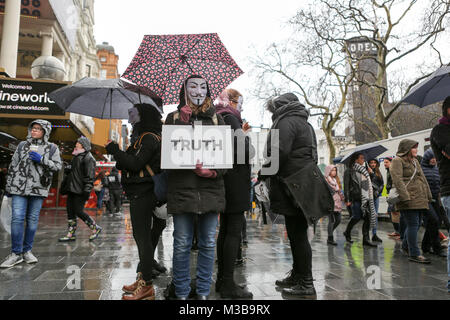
x,y
29,258
12,260
419,259
394,234
375,238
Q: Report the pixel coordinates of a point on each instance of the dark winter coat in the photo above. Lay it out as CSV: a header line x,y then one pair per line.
x,y
388,181
237,180
440,141
417,194
431,173
189,193
24,175
145,150
81,177
377,185
297,149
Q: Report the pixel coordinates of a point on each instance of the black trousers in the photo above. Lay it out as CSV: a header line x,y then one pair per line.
x,y
75,208
297,227
141,212
431,236
228,243
157,229
115,200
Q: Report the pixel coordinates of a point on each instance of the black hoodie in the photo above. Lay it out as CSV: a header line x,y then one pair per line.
x,y
145,150
187,192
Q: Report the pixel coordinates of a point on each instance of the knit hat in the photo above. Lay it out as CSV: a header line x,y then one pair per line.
x,y
445,106
85,143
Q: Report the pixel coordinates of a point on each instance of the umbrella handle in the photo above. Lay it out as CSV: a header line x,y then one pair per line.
x,y
139,92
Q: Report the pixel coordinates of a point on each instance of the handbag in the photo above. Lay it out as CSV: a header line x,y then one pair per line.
x,y
161,212
6,214
393,197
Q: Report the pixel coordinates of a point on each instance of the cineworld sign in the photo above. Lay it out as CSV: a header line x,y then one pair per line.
x,y
29,97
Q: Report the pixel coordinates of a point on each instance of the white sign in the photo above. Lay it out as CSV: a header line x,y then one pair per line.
x,y
183,146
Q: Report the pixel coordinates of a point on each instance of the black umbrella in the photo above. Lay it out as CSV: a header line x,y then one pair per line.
x,y
370,151
102,99
433,89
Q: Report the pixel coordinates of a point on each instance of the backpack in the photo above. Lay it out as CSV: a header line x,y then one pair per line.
x,y
160,180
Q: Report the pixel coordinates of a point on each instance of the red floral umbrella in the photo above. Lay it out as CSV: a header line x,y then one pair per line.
x,y
163,62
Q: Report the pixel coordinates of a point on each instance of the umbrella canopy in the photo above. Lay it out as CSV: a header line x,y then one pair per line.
x,y
102,99
6,138
433,89
370,151
163,62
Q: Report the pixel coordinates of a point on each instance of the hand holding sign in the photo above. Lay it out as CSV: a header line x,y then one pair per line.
x,y
204,173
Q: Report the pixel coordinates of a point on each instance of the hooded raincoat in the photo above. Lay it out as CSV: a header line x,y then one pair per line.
x,y
24,175
417,194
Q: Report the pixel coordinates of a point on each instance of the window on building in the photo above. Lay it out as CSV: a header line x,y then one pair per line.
x,y
103,74
103,59
88,70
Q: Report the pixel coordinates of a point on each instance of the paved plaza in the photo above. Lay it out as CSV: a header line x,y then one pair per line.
x,y
345,272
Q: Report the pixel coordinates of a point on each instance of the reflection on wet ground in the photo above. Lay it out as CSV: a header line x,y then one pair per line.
x,y
345,272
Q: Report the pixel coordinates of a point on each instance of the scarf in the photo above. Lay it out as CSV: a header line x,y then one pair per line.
x,y
221,109
445,120
367,203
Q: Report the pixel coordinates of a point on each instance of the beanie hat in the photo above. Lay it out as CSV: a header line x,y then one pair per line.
x,y
85,143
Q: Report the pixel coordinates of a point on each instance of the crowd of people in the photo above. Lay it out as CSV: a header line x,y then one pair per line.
x,y
201,199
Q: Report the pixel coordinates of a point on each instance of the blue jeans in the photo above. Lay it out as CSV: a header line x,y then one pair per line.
x,y
182,242
412,220
100,194
24,208
377,205
446,204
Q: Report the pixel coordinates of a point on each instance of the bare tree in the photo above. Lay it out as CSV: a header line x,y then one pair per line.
x,y
319,63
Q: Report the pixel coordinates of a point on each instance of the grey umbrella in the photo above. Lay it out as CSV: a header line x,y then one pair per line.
x,y
102,99
6,138
433,89
370,151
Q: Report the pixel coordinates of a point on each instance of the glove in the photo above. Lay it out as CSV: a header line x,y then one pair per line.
x,y
36,157
185,114
204,173
112,148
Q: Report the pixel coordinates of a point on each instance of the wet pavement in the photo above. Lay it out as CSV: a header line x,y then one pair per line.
x,y
345,272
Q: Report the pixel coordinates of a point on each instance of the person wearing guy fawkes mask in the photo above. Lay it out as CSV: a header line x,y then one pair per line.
x,y
145,150
198,192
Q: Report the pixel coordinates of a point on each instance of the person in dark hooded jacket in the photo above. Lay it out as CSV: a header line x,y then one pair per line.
x,y
432,220
198,192
237,194
143,155
78,186
297,148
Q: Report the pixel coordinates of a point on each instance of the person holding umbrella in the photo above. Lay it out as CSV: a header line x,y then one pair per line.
x,y
237,194
414,195
378,184
358,194
199,192
78,186
137,164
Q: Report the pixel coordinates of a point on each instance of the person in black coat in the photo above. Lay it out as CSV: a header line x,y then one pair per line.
x,y
297,148
144,152
198,192
237,195
115,191
431,242
78,186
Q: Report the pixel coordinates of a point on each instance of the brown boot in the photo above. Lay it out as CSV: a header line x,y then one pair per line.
x,y
132,287
144,291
